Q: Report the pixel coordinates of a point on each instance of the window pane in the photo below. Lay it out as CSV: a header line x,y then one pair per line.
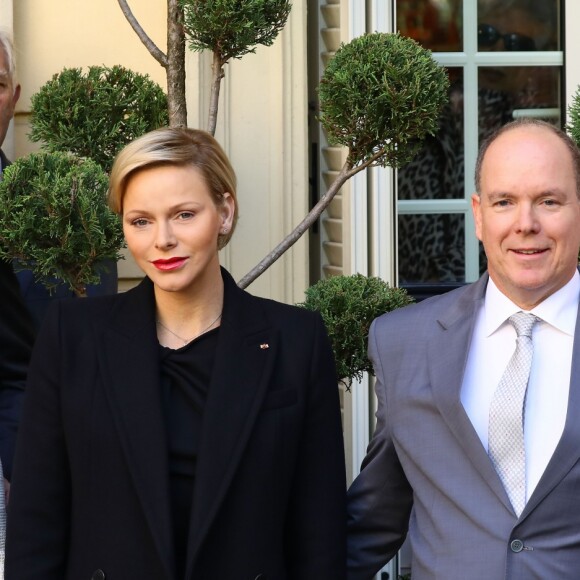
x,y
431,248
517,91
435,24
437,171
521,25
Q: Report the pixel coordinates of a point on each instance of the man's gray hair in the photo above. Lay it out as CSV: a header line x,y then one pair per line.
x,y
8,47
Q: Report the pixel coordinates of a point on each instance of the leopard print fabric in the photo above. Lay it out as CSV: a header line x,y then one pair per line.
x,y
432,246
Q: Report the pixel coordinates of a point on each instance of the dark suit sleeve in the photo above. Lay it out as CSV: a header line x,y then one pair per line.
x,y
16,338
317,514
380,498
38,523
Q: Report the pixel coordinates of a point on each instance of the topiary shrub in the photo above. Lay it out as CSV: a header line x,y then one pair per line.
x,y
96,114
381,94
55,220
348,305
574,116
233,28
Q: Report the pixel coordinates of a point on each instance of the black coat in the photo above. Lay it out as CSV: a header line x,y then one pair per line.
x,y
90,497
16,339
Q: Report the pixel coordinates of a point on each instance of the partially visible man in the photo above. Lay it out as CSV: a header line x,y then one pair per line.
x,y
16,329
476,453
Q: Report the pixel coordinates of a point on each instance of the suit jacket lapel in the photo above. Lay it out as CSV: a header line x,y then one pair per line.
x,y
129,356
446,372
246,352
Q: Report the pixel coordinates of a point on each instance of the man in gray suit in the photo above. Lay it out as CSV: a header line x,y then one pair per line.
x,y
431,470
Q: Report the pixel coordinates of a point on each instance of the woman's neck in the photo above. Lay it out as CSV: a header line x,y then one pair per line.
x,y
182,317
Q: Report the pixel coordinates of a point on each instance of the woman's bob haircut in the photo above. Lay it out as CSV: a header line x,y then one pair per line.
x,y
181,147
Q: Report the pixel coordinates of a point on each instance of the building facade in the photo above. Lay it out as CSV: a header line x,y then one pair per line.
x,y
506,58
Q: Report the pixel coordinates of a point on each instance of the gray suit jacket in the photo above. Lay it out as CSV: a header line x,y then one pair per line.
x,y
427,473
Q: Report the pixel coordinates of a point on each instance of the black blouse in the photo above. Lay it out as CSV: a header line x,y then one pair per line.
x,y
185,379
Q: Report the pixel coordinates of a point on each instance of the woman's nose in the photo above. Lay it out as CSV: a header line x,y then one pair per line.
x,y
165,238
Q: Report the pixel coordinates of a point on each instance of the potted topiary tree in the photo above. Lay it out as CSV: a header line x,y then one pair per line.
x,y
380,96
54,218
348,305
92,114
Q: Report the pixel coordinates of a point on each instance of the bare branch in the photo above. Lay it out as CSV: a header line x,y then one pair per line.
x,y
157,54
345,174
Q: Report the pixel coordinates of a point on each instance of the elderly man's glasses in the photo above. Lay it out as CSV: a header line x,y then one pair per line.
x,y
488,36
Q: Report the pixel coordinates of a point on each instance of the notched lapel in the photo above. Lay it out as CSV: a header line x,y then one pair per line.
x,y
129,357
448,353
246,353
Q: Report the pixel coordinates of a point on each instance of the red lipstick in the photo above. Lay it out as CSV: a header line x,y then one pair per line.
x,y
170,264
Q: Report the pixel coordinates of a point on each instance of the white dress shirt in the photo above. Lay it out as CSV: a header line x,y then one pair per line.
x,y
492,345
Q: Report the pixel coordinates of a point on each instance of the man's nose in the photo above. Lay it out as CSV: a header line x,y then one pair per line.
x,y
527,219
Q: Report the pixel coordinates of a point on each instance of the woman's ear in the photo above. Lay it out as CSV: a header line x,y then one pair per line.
x,y
227,210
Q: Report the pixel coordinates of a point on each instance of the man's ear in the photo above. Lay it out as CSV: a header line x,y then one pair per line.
x,y
476,209
16,95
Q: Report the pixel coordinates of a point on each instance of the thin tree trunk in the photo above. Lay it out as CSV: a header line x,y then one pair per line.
x,y
176,103
217,69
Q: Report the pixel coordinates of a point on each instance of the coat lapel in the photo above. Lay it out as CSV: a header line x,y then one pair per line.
x,y
446,372
245,356
129,356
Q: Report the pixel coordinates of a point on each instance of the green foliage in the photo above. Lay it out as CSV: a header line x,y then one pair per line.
x,y
348,305
381,93
54,217
574,116
233,28
96,114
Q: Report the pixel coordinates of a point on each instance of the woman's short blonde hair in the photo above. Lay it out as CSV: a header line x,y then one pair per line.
x,y
181,147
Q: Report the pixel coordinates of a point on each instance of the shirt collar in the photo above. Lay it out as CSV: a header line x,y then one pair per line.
x,y
559,309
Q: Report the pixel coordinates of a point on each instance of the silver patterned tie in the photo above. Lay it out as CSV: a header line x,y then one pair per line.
x,y
506,414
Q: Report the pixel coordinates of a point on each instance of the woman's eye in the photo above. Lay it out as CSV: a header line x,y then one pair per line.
x,y
140,222
185,215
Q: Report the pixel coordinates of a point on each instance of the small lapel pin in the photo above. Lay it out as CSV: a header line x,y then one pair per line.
x,y
264,346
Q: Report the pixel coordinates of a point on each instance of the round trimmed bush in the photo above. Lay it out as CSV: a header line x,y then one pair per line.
x,y
96,114
381,93
54,218
348,305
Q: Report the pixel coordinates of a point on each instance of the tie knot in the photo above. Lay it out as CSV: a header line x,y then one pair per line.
x,y
523,322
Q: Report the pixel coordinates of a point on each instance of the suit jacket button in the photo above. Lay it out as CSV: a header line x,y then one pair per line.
x,y
516,546
98,575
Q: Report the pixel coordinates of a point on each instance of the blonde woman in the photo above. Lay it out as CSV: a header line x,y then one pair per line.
x,y
184,429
